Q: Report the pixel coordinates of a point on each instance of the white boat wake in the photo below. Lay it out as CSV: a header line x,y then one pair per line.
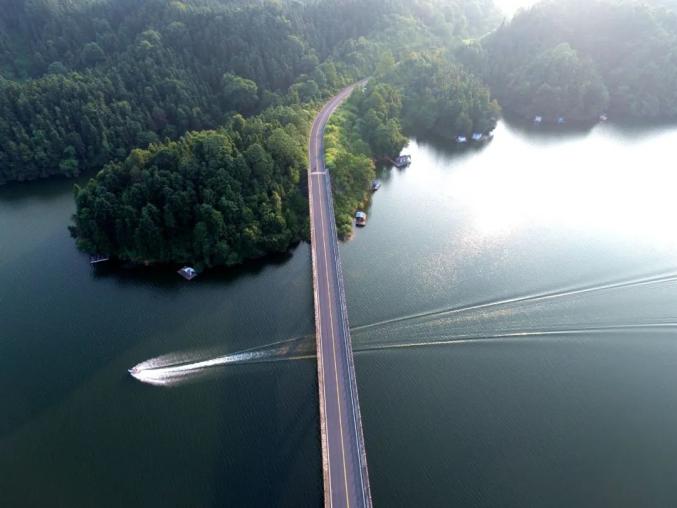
x,y
176,368
544,315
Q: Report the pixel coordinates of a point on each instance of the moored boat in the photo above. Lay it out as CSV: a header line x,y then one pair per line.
x,y
402,161
360,219
188,273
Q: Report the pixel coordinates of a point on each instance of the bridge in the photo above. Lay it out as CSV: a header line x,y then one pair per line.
x,y
344,460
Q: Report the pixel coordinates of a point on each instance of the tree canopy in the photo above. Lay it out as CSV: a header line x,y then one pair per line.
x,y
210,198
198,110
580,58
85,81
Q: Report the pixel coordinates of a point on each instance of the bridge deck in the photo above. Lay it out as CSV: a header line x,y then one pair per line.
x,y
346,479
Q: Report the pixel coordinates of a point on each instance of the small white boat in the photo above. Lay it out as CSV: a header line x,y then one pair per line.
x,y
477,136
360,219
603,118
188,273
561,120
461,139
375,185
538,119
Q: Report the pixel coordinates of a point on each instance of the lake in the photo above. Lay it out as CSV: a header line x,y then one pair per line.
x,y
515,322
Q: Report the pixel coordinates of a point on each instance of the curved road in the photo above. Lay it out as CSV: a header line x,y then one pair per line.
x,y
346,478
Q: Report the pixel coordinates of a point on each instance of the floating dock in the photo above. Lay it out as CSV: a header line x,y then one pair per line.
x,y
98,258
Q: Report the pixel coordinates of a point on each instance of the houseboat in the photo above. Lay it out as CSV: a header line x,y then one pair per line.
x,y
360,219
402,161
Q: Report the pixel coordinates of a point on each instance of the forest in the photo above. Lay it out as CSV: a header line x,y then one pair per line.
x,y
580,59
187,80
178,104
212,198
84,82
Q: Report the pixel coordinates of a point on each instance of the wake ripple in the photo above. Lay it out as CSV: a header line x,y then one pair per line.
x,y
175,368
517,318
535,298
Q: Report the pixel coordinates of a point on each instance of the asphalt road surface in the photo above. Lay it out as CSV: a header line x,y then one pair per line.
x,y
346,479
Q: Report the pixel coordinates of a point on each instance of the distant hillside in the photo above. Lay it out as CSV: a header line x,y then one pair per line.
x,y
581,58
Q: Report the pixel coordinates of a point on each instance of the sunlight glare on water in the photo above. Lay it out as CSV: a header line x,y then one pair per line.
x,y
603,194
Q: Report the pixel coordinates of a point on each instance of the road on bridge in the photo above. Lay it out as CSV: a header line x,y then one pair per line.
x,y
346,478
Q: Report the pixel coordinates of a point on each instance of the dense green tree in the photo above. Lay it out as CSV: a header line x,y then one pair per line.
x,y
441,98
239,93
107,76
210,198
92,54
559,83
580,58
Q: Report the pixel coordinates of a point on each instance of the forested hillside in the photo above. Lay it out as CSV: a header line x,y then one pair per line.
x,y
82,82
581,58
251,73
132,86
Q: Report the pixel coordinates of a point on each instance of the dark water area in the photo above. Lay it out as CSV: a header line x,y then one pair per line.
x,y
77,430
515,321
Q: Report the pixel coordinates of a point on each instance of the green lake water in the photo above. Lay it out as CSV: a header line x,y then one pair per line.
x,y
515,320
